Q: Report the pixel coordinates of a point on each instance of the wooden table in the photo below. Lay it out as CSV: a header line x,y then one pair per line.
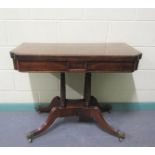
x,y
87,58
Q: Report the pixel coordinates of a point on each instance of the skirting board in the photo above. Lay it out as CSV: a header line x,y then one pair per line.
x,y
116,106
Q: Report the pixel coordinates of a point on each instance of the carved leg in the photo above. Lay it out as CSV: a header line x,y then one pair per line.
x,y
97,115
54,103
54,113
51,118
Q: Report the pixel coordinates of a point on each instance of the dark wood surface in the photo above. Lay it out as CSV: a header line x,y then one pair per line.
x,y
109,57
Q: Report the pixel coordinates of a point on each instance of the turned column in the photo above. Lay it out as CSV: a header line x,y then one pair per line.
x,y
62,89
87,88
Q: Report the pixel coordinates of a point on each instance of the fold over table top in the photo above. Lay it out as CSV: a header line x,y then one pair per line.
x,y
75,57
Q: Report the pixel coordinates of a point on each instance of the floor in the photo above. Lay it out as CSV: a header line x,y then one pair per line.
x,y
139,127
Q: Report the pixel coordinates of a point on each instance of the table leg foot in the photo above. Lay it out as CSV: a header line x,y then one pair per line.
x,y
54,103
51,118
121,135
29,137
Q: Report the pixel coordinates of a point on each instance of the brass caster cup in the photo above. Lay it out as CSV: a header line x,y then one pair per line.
x,y
121,136
30,140
29,137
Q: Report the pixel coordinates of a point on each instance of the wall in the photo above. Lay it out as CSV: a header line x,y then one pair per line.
x,y
133,26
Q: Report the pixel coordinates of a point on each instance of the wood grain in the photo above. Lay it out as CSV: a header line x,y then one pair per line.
x,y
110,57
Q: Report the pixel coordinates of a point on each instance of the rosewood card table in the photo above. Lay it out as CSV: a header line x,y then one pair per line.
x,y
87,58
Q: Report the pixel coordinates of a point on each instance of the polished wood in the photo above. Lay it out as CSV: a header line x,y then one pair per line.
x,y
87,109
62,89
110,57
87,58
87,88
74,49
75,110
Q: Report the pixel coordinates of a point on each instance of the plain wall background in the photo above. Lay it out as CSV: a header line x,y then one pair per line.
x,y
133,26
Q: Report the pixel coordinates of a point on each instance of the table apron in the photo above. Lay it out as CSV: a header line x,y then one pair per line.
x,y
75,66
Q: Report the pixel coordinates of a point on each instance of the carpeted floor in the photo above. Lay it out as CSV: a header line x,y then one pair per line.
x,y
138,125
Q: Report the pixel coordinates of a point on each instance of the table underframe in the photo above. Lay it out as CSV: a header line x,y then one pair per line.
x,y
87,109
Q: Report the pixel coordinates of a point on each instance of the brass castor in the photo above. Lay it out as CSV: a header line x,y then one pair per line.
x,y
30,140
120,135
29,137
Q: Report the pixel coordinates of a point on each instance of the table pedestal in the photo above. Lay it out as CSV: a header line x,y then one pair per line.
x,y
86,109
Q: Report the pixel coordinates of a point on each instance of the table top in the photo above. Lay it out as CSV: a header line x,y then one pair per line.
x,y
75,57
78,49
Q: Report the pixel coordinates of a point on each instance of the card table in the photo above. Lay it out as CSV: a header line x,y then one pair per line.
x,y
75,57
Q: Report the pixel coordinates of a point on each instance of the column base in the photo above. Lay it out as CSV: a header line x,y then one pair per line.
x,y
56,102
